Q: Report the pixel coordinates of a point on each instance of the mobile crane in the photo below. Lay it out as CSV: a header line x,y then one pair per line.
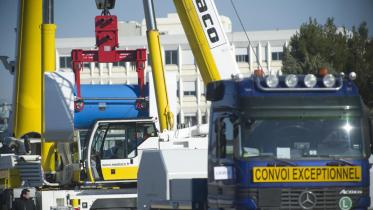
x,y
41,154
207,41
30,129
209,44
183,186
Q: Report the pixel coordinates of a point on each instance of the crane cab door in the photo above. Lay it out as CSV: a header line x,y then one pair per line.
x,y
112,150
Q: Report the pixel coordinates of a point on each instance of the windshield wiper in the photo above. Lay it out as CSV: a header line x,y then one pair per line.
x,y
276,161
335,161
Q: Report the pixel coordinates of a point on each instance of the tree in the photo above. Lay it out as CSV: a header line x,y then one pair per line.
x,y
317,46
289,64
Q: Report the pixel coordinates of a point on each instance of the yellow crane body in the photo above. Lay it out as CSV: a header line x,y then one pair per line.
x,y
28,89
48,149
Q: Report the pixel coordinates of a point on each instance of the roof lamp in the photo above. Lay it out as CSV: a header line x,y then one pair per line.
x,y
310,80
272,81
329,80
291,80
352,76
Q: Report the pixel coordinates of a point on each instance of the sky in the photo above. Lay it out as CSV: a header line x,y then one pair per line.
x,y
74,18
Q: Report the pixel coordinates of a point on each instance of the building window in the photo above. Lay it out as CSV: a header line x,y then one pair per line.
x,y
65,62
178,120
119,64
178,89
277,56
148,59
189,88
87,65
204,119
190,120
242,58
171,57
133,66
242,55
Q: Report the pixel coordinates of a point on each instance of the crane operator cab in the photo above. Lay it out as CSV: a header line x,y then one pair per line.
x,y
112,152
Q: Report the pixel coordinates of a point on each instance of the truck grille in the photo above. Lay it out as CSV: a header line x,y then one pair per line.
x,y
326,198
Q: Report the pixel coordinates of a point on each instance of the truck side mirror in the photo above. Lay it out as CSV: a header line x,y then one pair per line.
x,y
215,91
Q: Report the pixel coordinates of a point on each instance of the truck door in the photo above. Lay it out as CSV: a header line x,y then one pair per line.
x,y
221,156
112,152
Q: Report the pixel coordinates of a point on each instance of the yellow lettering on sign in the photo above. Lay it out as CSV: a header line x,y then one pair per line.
x,y
307,174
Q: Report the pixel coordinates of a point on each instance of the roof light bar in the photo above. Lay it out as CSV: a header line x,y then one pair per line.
x,y
292,84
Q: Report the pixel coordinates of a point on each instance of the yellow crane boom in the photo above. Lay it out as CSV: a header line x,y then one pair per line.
x,y
166,119
210,46
48,30
207,39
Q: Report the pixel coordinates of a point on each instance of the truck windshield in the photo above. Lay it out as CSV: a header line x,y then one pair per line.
x,y
299,138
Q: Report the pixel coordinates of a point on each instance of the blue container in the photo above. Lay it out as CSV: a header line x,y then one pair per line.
x,y
108,102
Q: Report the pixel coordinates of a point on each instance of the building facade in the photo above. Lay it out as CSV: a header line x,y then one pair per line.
x,y
191,107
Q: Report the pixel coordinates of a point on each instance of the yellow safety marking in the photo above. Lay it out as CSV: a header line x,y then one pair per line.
x,y
120,173
90,175
307,174
75,203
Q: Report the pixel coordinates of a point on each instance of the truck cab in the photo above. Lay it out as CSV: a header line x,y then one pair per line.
x,y
288,142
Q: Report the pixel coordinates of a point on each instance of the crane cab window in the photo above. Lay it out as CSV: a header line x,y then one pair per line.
x,y
120,141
